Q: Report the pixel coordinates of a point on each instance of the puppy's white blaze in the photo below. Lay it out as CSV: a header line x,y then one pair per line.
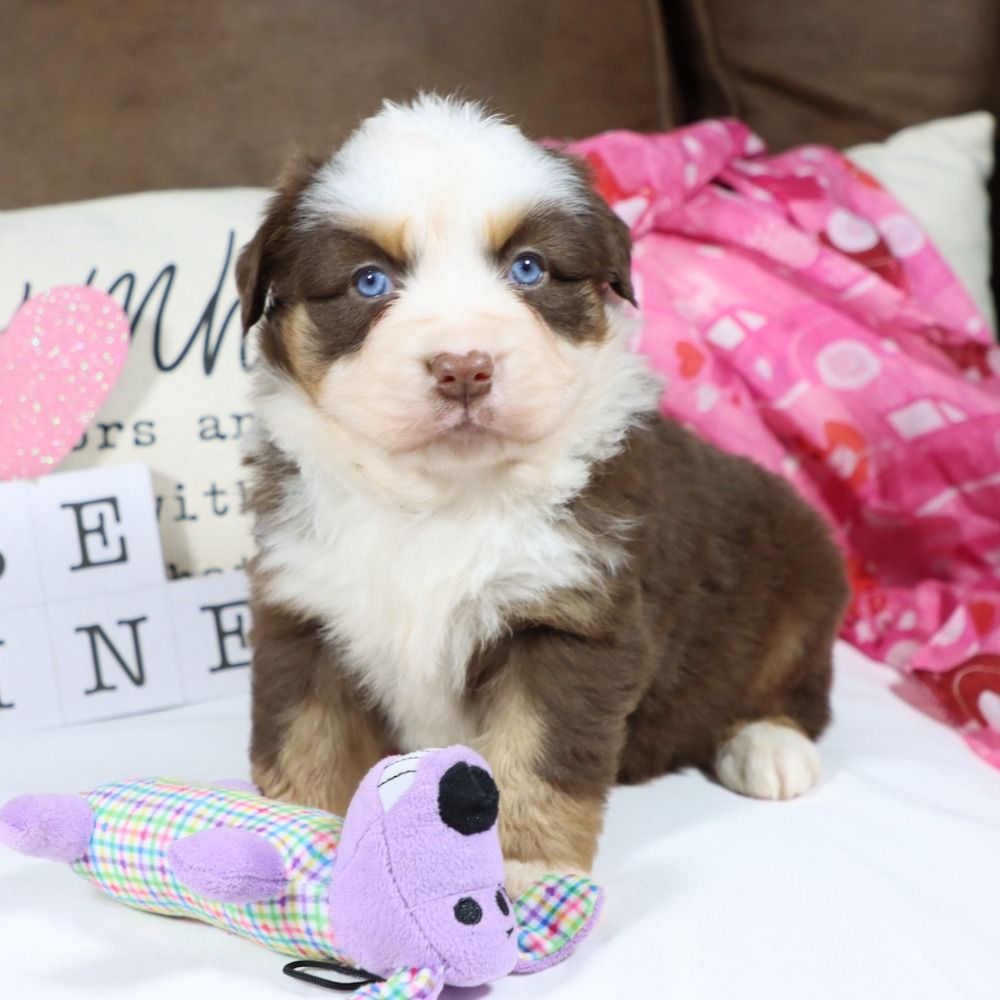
x,y
768,760
446,155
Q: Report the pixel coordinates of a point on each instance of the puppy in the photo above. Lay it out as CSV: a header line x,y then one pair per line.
x,y
472,524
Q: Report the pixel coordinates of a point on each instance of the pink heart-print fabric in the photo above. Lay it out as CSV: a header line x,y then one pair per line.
x,y
800,317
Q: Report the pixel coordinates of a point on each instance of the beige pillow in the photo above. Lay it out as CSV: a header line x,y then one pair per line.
x,y
939,171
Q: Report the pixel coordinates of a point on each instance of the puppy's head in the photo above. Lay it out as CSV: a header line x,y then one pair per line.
x,y
439,283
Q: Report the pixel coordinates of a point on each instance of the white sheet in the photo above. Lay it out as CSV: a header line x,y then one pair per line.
x,y
882,883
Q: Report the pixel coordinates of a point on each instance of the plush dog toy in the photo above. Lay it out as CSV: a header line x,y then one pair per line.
x,y
408,886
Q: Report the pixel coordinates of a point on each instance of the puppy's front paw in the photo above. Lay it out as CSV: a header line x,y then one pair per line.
x,y
768,760
521,875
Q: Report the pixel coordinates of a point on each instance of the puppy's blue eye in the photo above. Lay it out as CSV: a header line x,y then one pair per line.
x,y
372,282
527,269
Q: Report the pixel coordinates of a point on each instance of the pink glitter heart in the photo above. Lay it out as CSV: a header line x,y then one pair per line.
x,y
59,358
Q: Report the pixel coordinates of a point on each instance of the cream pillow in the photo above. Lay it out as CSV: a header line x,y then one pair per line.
x,y
939,171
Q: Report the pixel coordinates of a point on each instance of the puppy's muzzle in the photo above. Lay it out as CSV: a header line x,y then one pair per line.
x,y
462,378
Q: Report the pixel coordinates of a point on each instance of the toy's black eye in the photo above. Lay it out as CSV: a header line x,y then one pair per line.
x,y
468,911
502,903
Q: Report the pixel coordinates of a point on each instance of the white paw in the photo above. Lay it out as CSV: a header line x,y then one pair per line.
x,y
768,761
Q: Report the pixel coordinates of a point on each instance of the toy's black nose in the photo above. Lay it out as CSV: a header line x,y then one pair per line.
x,y
468,799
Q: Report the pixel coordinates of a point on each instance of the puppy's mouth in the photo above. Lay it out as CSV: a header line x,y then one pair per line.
x,y
466,421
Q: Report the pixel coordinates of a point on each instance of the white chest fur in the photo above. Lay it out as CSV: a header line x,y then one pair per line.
x,y
409,598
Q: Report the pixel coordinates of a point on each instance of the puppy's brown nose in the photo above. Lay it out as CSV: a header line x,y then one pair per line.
x,y
461,377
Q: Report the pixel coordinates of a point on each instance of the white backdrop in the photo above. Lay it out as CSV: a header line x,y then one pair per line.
x,y
882,883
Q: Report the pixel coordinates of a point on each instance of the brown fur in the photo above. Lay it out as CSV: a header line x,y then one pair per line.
x,y
582,252
313,739
265,255
743,592
538,819
606,237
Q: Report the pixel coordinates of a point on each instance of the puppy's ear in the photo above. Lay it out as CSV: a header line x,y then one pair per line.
x,y
617,249
252,279
608,235
259,260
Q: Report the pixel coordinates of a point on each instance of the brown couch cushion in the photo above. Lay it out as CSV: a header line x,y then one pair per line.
x,y
842,72
104,97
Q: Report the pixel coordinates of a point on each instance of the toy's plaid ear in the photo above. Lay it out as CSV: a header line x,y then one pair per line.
x,y
407,984
553,916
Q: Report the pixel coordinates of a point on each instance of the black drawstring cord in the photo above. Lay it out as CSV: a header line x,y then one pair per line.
x,y
297,971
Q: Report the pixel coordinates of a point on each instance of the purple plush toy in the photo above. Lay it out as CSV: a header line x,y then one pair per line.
x,y
408,887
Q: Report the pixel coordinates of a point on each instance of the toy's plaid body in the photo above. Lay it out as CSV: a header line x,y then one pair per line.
x,y
136,822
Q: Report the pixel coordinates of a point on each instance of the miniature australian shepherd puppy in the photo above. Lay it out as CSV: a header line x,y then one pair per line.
x,y
474,527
